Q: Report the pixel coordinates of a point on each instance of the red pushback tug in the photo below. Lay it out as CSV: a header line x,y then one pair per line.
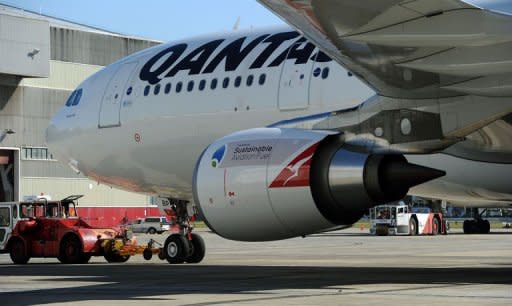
x,y
43,228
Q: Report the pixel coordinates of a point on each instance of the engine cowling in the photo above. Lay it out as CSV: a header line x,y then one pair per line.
x,y
270,183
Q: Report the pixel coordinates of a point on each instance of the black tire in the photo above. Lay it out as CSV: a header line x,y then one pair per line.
x,y
151,231
71,251
198,249
413,227
116,258
147,254
486,227
85,258
161,254
436,226
176,249
467,227
18,252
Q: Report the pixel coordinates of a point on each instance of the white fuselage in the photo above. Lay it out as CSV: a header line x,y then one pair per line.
x,y
142,122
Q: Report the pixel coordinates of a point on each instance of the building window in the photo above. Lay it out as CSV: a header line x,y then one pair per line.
x,y
146,90
250,79
36,153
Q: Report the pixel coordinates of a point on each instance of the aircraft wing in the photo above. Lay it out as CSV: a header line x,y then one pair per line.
x,y
410,49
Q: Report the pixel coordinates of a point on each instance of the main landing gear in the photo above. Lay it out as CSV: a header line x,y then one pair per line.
x,y
183,245
477,225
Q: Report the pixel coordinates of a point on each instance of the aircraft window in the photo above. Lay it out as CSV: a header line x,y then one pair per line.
x,y
325,73
190,86
146,90
213,85
250,79
179,86
225,83
167,89
129,91
202,85
77,98
71,98
156,91
238,81
317,72
263,78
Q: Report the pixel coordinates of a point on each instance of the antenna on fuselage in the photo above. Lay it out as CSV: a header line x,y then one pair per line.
x,y
237,24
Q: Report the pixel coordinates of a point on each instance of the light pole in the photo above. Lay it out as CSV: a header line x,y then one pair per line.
x,y
4,133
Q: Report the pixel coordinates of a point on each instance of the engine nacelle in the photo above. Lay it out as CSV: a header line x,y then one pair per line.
x,y
270,183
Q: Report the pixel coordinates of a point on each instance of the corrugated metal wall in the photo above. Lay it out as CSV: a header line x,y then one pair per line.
x,y
26,106
92,48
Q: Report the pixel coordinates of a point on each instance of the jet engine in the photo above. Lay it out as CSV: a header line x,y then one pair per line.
x,y
271,183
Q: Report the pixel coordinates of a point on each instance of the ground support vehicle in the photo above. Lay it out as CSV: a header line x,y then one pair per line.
x,y
400,219
43,228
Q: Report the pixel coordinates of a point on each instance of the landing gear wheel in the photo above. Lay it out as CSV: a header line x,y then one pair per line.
x,y
176,249
152,231
116,258
477,226
436,226
485,226
18,252
413,227
197,249
71,251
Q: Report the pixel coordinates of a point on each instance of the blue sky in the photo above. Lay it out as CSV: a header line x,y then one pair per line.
x,y
157,19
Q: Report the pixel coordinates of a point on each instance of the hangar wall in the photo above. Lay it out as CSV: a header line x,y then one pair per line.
x,y
34,86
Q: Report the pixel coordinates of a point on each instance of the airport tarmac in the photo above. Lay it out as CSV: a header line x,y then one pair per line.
x,y
340,268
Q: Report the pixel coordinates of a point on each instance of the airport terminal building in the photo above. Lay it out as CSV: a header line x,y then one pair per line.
x,y
42,60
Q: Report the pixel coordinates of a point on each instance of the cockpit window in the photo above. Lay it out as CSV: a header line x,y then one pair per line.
x,y
71,98
77,98
74,98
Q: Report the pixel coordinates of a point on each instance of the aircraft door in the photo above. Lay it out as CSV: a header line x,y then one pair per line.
x,y
295,78
114,95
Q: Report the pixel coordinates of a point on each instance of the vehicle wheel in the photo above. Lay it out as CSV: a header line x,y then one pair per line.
x,y
116,258
198,249
71,251
176,249
85,258
413,227
151,231
436,227
147,254
18,252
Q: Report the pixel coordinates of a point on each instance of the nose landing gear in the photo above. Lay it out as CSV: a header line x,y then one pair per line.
x,y
183,245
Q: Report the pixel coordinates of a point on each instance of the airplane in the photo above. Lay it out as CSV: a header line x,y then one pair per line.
x,y
283,132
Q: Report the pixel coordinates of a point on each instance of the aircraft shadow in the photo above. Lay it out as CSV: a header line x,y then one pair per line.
x,y
142,282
